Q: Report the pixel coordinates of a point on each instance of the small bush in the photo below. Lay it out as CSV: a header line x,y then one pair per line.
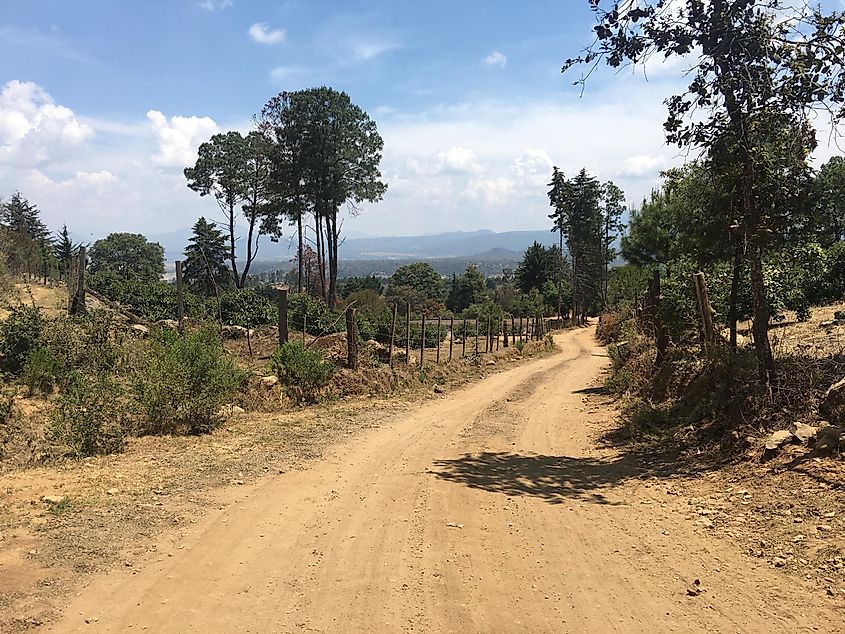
x,y
247,308
42,370
20,334
89,416
314,314
183,381
304,372
519,345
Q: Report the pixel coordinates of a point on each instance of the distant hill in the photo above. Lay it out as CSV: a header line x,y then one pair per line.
x,y
483,244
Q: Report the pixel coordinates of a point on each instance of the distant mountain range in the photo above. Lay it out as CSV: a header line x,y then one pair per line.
x,y
480,245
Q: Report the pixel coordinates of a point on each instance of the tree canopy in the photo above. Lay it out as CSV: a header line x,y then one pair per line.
x,y
129,256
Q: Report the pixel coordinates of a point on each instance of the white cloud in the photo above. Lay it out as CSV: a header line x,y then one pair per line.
x,y
457,159
491,191
642,165
179,137
215,5
261,33
367,50
495,58
281,73
533,166
33,128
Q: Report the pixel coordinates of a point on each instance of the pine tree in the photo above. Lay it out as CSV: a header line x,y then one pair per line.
x,y
19,216
64,249
29,243
206,256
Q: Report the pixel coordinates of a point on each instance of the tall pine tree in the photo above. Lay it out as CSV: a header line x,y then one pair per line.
x,y
205,260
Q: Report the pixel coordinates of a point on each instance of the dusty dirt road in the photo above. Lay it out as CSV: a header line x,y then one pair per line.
x,y
489,510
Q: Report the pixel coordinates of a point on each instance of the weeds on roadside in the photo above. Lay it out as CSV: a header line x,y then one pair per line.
x,y
182,381
303,372
90,416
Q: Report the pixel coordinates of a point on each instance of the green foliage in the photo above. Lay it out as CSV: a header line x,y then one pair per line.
x,y
418,283
183,381
835,274
20,335
829,201
152,301
627,285
42,370
89,415
205,270
129,256
247,308
315,314
303,371
352,285
469,288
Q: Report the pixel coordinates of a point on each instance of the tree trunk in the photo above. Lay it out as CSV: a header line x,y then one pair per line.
x,y
760,325
300,251
232,257
733,309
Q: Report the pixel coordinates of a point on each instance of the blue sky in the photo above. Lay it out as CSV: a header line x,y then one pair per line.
x,y
103,103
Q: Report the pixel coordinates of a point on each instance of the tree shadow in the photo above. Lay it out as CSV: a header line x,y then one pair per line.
x,y
555,479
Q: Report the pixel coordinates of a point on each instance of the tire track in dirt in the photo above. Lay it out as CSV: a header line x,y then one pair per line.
x,y
471,513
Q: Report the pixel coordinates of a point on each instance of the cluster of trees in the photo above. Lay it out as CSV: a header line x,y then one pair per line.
x,y
678,230
757,72
312,153
27,245
587,217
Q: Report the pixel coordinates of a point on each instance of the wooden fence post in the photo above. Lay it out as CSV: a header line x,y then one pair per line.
x,y
489,343
521,335
351,339
704,306
304,325
422,342
505,332
439,321
71,283
392,337
180,297
476,336
451,335
408,335
76,300
282,305
464,341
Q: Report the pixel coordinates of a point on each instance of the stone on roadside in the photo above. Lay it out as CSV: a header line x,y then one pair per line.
x,y
230,410
827,442
53,499
235,332
140,329
438,389
269,381
805,433
832,406
775,442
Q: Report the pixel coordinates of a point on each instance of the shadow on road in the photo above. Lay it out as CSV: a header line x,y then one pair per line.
x,y
555,479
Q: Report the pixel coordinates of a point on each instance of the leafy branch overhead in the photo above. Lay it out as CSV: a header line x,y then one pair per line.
x,y
757,70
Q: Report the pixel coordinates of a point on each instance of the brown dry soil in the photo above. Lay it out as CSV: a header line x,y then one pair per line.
x,y
496,507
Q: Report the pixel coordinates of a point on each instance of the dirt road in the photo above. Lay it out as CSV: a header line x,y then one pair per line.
x,y
489,510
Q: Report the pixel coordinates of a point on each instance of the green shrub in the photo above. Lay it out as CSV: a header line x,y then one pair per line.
x,y
42,370
20,334
152,301
247,308
89,415
519,345
318,319
183,381
304,372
